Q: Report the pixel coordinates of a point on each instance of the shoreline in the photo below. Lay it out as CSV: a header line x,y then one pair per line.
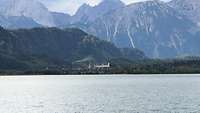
x,y
109,75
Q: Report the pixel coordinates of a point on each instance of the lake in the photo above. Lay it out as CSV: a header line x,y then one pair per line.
x,y
100,94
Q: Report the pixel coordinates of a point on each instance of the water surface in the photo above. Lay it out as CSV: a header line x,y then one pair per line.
x,y
100,94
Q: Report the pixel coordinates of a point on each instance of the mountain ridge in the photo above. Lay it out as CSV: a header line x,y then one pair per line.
x,y
151,26
161,30
53,46
87,13
190,8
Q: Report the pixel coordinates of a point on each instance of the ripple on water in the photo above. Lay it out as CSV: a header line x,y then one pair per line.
x,y
92,94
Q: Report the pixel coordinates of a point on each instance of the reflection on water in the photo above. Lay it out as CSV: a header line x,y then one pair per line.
x,y
100,94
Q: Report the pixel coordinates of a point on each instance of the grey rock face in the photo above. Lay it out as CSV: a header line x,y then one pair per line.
x,y
153,27
28,8
34,10
87,13
190,8
61,19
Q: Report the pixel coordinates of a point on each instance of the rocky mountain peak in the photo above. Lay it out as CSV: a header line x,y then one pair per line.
x,y
87,13
28,8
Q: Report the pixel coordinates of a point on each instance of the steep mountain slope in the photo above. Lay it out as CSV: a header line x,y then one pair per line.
x,y
190,8
151,26
27,8
14,22
61,19
58,46
87,14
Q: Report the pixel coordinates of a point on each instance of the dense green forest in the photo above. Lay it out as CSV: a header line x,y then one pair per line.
x,y
157,66
120,66
72,51
52,48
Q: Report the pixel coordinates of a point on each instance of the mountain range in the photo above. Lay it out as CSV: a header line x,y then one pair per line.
x,y
159,29
152,26
31,9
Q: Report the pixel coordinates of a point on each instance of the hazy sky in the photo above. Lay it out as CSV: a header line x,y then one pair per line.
x,y
70,6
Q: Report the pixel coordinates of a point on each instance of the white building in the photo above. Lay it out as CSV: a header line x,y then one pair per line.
x,y
103,65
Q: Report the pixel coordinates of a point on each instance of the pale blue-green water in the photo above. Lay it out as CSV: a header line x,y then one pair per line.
x,y
100,94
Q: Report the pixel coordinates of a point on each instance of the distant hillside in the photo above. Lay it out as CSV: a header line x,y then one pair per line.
x,y
32,48
14,22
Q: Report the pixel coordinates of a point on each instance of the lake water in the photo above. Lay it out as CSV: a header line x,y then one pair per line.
x,y
100,94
